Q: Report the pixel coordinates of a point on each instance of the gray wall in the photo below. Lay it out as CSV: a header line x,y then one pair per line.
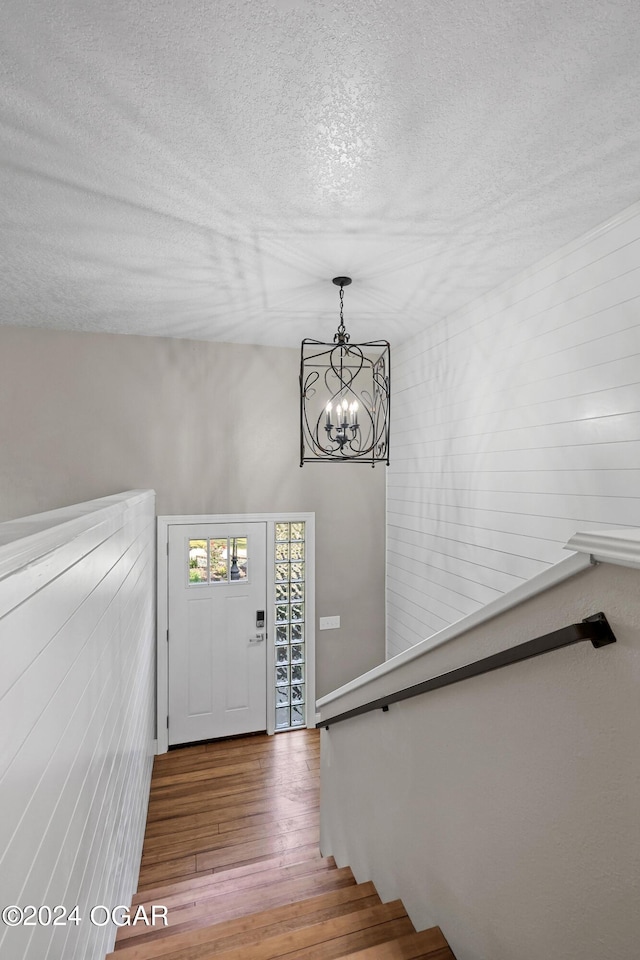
x,y
504,808
212,428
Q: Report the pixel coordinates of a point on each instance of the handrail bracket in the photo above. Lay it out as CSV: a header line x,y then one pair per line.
x,y
604,633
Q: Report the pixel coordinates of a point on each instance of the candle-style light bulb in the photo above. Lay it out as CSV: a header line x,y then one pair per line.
x,y
355,413
328,412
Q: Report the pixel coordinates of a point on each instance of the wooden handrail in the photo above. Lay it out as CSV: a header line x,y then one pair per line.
x,y
595,628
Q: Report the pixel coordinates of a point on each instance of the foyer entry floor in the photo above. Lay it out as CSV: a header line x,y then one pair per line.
x,y
222,805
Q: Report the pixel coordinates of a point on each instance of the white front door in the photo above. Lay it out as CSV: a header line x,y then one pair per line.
x,y
217,649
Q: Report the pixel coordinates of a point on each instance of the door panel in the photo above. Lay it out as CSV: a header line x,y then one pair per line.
x,y
217,655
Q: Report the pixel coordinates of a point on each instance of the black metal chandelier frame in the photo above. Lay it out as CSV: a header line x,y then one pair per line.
x,y
345,397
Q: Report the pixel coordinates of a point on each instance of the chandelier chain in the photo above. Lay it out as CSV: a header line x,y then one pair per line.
x,y
341,336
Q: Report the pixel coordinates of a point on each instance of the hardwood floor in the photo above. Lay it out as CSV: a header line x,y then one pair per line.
x,y
231,851
230,803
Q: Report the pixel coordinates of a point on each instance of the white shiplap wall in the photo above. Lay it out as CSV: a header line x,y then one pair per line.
x,y
77,648
516,422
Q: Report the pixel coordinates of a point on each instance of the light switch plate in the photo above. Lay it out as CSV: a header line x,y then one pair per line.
x,y
329,623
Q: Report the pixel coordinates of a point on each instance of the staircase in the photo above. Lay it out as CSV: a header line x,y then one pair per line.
x,y
310,910
231,852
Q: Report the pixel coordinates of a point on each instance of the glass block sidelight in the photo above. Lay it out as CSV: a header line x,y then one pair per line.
x,y
283,721
297,715
282,675
297,551
289,617
282,552
282,591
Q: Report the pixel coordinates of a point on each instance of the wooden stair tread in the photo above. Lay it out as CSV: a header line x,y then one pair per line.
x,y
339,937
212,905
258,874
246,929
330,938
425,945
335,948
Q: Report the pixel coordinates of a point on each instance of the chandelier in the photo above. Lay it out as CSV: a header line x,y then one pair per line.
x,y
344,397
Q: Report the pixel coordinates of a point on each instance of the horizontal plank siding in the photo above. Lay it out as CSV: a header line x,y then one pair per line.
x,y
516,422
77,646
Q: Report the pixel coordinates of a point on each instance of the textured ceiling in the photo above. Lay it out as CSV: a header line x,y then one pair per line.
x,y
203,168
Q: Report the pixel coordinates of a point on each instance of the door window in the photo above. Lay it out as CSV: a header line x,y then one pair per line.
x,y
218,560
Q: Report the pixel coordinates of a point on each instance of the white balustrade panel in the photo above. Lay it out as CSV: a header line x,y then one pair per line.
x,y
77,648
